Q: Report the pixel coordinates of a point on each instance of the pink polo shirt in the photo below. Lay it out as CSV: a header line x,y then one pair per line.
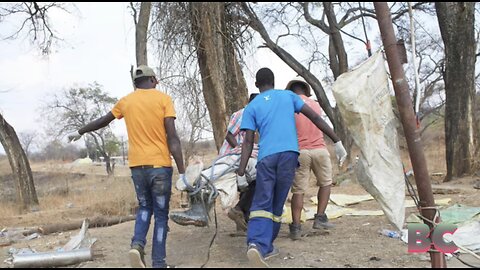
x,y
309,136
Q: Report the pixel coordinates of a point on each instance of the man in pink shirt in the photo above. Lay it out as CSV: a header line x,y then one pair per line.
x,y
313,156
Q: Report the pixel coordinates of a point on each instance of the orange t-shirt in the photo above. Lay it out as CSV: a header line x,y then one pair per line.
x,y
309,136
144,111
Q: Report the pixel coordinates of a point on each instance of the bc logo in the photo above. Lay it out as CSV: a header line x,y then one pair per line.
x,y
419,241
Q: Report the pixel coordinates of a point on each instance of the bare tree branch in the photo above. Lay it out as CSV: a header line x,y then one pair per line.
x,y
134,13
35,22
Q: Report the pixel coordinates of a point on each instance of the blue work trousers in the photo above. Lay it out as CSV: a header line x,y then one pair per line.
x,y
275,174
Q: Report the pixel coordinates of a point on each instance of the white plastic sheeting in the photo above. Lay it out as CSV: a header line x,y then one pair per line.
x,y
467,236
222,175
364,101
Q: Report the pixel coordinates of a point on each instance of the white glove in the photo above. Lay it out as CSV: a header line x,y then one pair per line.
x,y
181,183
242,182
74,136
340,152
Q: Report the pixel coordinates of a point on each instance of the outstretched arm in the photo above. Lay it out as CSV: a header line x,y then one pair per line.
x,y
340,151
247,148
319,122
174,143
92,126
97,124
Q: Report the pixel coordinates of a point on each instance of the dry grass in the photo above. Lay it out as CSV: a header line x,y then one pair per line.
x,y
8,209
116,196
64,196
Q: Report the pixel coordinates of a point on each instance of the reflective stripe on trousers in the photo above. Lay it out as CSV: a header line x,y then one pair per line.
x,y
265,214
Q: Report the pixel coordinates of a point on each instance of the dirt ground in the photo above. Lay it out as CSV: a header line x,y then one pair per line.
x,y
355,242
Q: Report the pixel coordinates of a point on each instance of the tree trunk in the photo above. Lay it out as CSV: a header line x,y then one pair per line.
x,y
338,55
99,143
95,222
141,31
224,87
332,56
456,21
108,165
336,41
25,188
236,92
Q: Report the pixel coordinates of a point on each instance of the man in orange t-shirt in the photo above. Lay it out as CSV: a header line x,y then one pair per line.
x,y
150,119
313,156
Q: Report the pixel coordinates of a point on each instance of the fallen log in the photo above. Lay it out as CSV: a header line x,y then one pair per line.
x,y
95,222
445,191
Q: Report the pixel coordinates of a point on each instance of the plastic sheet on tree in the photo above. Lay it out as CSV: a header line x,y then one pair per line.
x,y
364,100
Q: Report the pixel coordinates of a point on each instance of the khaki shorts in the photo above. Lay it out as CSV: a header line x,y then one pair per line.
x,y
317,160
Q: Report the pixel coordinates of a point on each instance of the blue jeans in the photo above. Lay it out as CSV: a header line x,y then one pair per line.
x,y
275,174
153,188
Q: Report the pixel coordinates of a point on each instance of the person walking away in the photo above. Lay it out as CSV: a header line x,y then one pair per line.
x,y
271,113
313,156
150,119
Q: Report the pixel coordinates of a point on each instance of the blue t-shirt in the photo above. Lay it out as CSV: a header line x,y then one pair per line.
x,y
272,114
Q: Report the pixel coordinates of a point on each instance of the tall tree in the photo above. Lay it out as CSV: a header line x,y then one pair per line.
x,y
336,48
179,72
456,21
224,87
75,108
25,188
141,31
209,30
37,26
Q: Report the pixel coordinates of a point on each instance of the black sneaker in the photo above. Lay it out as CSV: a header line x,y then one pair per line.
x,y
321,222
137,257
295,231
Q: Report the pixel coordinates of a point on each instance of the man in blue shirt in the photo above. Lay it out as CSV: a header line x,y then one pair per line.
x,y
271,113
